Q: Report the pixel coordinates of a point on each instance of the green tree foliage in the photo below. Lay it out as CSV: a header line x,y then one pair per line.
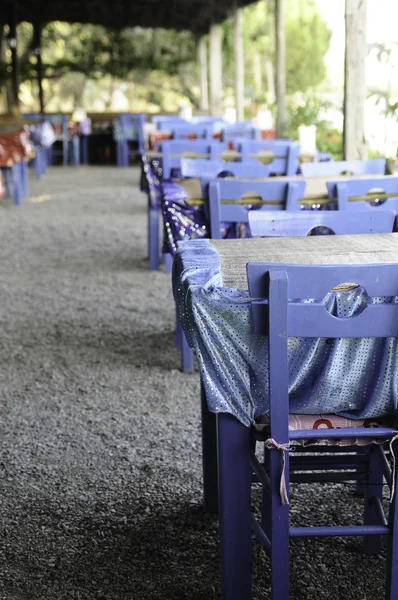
x,y
307,41
164,61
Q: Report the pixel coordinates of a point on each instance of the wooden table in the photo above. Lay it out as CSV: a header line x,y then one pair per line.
x,y
326,249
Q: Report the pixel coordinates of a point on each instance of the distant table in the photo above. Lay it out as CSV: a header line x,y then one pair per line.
x,y
214,307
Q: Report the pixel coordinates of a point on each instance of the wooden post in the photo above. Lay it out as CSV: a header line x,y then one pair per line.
x,y
355,82
215,61
204,87
12,40
280,67
239,65
37,39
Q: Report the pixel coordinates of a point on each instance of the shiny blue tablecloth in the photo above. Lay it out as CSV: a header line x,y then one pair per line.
x,y
234,362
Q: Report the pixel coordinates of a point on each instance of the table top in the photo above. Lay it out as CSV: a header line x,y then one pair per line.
x,y
322,249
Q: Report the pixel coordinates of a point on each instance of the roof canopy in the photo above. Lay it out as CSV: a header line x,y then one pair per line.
x,y
193,15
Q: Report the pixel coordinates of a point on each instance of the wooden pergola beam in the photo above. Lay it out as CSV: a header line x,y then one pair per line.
x,y
203,74
355,80
39,64
280,67
215,60
12,40
239,64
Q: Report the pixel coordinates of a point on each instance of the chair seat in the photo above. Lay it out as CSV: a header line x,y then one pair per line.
x,y
327,421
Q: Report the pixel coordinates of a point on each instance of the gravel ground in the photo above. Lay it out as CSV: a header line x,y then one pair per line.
x,y
100,467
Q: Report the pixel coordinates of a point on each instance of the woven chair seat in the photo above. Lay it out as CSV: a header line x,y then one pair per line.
x,y
327,421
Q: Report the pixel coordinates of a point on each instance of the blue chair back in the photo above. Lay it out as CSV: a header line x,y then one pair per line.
x,y
62,120
187,131
224,195
375,166
214,168
268,224
132,129
285,155
349,192
240,132
316,281
174,150
169,122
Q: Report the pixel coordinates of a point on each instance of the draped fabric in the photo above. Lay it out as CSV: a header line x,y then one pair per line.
x,y
355,378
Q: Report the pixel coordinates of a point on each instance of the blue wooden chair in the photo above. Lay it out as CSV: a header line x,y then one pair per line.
x,y
240,132
172,153
360,194
224,195
129,129
168,122
376,166
200,130
283,156
16,181
70,145
209,169
175,150
285,223
279,318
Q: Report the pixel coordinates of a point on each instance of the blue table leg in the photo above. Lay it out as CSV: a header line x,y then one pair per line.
x,y
16,176
209,456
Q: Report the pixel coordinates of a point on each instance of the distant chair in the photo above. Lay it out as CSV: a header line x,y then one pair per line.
x,y
173,151
129,130
284,223
209,169
70,145
376,166
240,132
224,197
167,123
369,193
192,131
281,156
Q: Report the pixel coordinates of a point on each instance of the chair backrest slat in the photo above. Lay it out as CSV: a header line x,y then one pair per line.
x,y
173,152
213,168
351,193
286,155
285,223
315,281
376,166
224,195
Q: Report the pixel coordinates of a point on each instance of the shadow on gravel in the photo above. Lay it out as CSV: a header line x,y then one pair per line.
x,y
132,554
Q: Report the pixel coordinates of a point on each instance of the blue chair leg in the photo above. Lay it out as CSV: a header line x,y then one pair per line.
x,y
84,140
16,176
392,555
234,473
50,156
37,164
125,153
153,238
44,160
76,150
7,184
373,490
168,262
24,179
279,523
65,151
187,355
209,455
178,331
